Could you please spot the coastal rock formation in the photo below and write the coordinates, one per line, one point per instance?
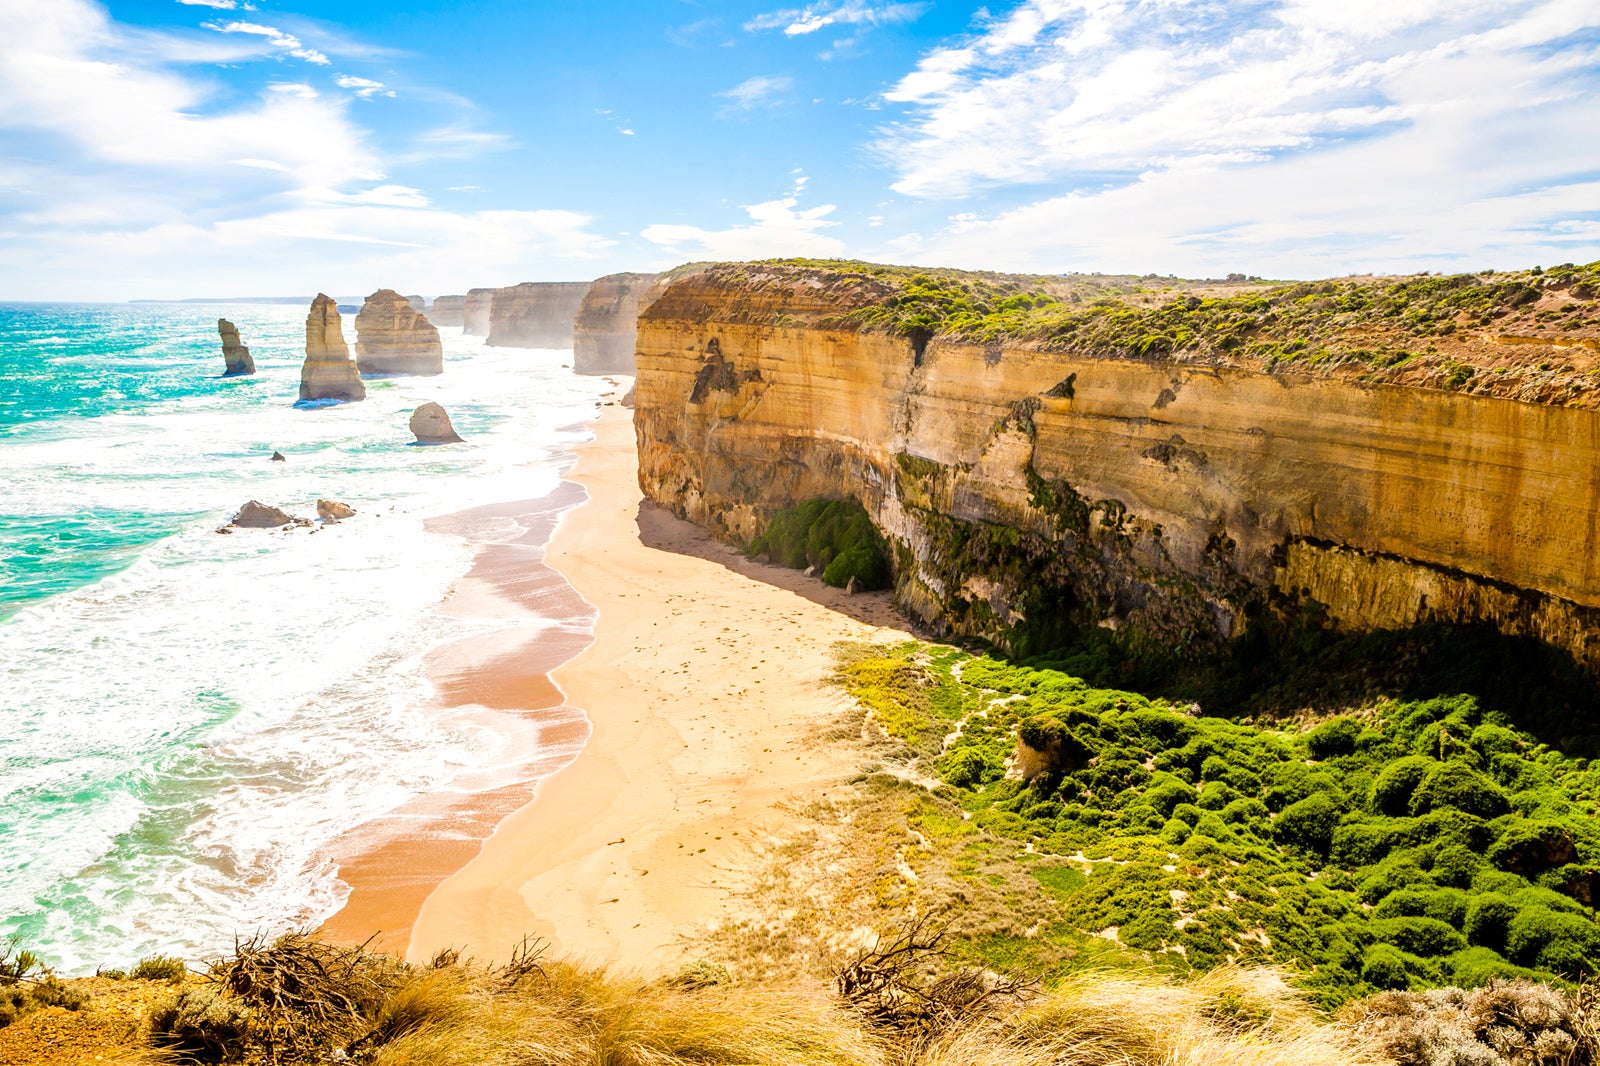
(608, 324)
(431, 425)
(1171, 486)
(328, 372)
(535, 314)
(419, 304)
(333, 510)
(257, 515)
(475, 309)
(235, 355)
(393, 337)
(447, 311)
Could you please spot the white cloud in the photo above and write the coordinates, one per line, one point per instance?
(365, 88)
(220, 5)
(776, 229)
(285, 42)
(759, 91)
(1290, 137)
(797, 22)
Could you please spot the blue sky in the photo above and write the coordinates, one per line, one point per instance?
(224, 147)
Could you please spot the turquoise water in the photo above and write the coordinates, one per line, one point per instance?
(187, 719)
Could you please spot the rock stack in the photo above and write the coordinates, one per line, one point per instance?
(328, 372)
(475, 311)
(447, 311)
(431, 425)
(235, 355)
(393, 337)
(419, 304)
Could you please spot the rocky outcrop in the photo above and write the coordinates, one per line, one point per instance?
(608, 324)
(419, 304)
(431, 425)
(1063, 478)
(447, 311)
(235, 356)
(393, 337)
(475, 311)
(535, 314)
(328, 372)
(257, 515)
(334, 511)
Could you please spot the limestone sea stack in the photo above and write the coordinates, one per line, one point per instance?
(447, 311)
(430, 424)
(419, 304)
(475, 309)
(328, 372)
(535, 314)
(393, 337)
(235, 355)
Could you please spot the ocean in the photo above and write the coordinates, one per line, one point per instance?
(187, 719)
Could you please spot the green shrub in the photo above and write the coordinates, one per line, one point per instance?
(1383, 966)
(1538, 936)
(1457, 785)
(160, 968)
(1488, 918)
(1337, 736)
(1527, 847)
(1477, 966)
(1308, 823)
(1391, 792)
(1418, 936)
(835, 535)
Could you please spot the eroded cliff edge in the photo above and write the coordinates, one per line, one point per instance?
(1173, 462)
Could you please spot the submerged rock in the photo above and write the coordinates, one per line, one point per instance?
(257, 515)
(328, 372)
(277, 457)
(431, 425)
(394, 337)
(333, 510)
(234, 354)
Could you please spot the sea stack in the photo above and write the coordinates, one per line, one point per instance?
(475, 311)
(535, 314)
(393, 337)
(447, 311)
(431, 425)
(328, 372)
(235, 355)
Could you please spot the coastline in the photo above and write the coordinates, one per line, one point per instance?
(705, 691)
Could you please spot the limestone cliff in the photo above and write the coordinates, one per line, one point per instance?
(447, 311)
(607, 324)
(475, 312)
(1163, 460)
(328, 372)
(535, 314)
(393, 337)
(235, 356)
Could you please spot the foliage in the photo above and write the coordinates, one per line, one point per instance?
(27, 985)
(1417, 843)
(159, 968)
(835, 536)
(1505, 1022)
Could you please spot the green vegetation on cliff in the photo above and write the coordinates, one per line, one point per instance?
(1417, 843)
(835, 536)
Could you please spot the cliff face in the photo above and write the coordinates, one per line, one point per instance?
(475, 312)
(447, 311)
(1026, 485)
(607, 324)
(328, 372)
(393, 337)
(535, 314)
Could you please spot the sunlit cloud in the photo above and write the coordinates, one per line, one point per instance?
(775, 229)
(763, 90)
(365, 88)
(287, 43)
(798, 22)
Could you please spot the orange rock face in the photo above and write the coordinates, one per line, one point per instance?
(393, 337)
(328, 372)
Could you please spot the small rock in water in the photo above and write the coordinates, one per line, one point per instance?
(431, 425)
(277, 457)
(333, 510)
(257, 515)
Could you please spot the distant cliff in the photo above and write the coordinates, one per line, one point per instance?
(475, 312)
(447, 311)
(535, 314)
(607, 325)
(1170, 461)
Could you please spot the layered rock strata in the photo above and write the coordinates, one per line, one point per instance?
(235, 356)
(608, 323)
(535, 314)
(1034, 484)
(393, 337)
(447, 311)
(430, 424)
(419, 304)
(475, 310)
(328, 372)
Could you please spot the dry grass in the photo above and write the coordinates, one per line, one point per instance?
(1505, 1023)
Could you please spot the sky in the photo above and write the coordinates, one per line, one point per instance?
(182, 148)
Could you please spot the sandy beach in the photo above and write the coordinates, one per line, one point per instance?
(704, 693)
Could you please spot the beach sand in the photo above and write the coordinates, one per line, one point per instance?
(706, 693)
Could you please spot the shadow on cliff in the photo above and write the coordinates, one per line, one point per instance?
(1284, 667)
(665, 531)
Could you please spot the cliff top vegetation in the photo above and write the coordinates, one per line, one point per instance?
(1528, 334)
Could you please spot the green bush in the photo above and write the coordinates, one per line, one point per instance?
(1383, 966)
(1391, 792)
(1459, 786)
(160, 968)
(1337, 736)
(1418, 936)
(1308, 823)
(836, 536)
(1538, 936)
(1477, 966)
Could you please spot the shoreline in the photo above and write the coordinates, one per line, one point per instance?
(706, 694)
